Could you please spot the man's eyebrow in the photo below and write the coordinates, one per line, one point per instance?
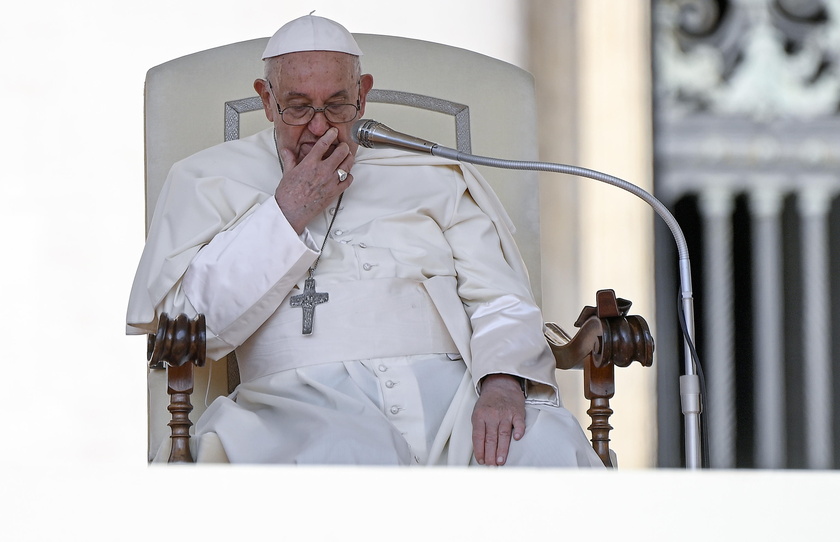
(295, 94)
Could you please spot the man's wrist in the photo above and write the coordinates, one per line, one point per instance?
(504, 377)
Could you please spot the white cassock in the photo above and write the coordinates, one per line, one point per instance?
(427, 295)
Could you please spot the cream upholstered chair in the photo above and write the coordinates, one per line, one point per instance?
(455, 97)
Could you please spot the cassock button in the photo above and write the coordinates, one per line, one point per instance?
(367, 267)
(390, 384)
(362, 245)
(339, 232)
(395, 410)
(383, 368)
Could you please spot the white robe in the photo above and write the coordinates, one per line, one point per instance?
(421, 270)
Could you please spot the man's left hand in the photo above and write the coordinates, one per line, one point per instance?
(499, 414)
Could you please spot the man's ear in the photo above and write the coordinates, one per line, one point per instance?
(261, 86)
(366, 85)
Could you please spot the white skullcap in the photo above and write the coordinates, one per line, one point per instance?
(311, 33)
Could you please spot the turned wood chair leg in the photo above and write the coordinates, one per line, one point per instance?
(600, 413)
(599, 388)
(180, 387)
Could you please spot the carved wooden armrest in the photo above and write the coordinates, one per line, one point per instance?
(607, 338)
(179, 345)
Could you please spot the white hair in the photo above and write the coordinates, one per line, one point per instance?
(271, 66)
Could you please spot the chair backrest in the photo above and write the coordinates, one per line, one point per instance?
(449, 95)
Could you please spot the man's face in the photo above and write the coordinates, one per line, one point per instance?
(317, 79)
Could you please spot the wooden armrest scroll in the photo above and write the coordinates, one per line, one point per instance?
(607, 338)
(179, 344)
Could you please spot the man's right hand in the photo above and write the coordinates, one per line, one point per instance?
(307, 188)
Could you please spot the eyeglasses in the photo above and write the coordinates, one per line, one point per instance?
(298, 115)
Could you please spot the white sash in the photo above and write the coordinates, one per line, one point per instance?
(345, 328)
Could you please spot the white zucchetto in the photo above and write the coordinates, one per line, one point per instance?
(311, 33)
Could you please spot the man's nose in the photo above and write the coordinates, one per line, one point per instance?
(319, 124)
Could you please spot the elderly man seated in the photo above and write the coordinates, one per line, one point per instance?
(379, 308)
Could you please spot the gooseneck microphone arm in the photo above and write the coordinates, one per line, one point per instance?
(372, 134)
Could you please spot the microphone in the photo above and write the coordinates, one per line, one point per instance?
(374, 135)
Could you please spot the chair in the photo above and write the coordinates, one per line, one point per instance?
(205, 98)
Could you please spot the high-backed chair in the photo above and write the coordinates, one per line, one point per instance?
(455, 97)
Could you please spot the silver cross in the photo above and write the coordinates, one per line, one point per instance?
(307, 301)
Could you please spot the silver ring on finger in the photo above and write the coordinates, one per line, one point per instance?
(342, 175)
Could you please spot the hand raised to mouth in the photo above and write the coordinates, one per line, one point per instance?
(309, 186)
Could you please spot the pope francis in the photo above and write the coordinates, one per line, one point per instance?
(378, 306)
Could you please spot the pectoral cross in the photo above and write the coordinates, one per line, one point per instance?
(307, 301)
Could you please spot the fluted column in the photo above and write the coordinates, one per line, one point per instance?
(765, 207)
(814, 203)
(716, 208)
